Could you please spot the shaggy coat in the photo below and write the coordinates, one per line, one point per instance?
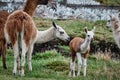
(3, 18)
(75, 45)
(17, 22)
(31, 5)
(114, 23)
(21, 32)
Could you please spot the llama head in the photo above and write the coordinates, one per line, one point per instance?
(89, 34)
(60, 33)
(114, 22)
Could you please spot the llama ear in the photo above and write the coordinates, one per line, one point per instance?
(86, 30)
(93, 30)
(54, 25)
(112, 17)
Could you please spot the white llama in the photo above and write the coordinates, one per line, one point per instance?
(53, 32)
(80, 47)
(114, 23)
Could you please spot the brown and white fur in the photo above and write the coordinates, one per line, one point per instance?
(80, 48)
(114, 23)
(21, 32)
(52, 33)
(3, 44)
(31, 5)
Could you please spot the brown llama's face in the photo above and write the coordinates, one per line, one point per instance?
(60, 33)
(114, 22)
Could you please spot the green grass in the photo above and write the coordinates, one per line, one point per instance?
(76, 28)
(52, 66)
(109, 2)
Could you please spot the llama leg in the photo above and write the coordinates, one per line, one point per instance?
(29, 57)
(72, 69)
(18, 64)
(72, 66)
(79, 63)
(24, 50)
(3, 52)
(84, 66)
(16, 54)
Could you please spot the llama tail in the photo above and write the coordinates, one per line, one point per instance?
(21, 34)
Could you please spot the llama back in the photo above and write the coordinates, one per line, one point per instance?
(21, 24)
(75, 43)
(3, 18)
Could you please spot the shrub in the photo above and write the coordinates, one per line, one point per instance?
(46, 55)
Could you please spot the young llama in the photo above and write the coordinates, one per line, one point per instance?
(114, 23)
(53, 32)
(21, 32)
(80, 47)
(3, 44)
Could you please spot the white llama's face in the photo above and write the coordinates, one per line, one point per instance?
(60, 33)
(114, 22)
(89, 34)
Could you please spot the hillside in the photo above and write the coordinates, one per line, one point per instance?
(110, 2)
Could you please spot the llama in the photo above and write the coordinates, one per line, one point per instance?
(53, 32)
(80, 47)
(3, 44)
(114, 23)
(29, 8)
(21, 32)
(31, 5)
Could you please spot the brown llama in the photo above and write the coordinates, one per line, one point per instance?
(21, 32)
(3, 45)
(29, 8)
(31, 5)
(80, 48)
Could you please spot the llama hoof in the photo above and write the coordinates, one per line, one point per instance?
(74, 75)
(69, 75)
(19, 72)
(30, 69)
(84, 75)
(22, 75)
(14, 74)
(5, 67)
(78, 74)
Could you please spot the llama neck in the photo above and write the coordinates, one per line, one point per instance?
(45, 36)
(85, 45)
(30, 7)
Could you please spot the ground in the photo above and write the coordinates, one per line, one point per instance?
(53, 65)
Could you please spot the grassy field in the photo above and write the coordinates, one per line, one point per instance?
(52, 66)
(76, 27)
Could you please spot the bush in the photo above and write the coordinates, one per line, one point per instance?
(46, 55)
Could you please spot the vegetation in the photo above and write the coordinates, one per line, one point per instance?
(57, 68)
(76, 28)
(51, 65)
(110, 2)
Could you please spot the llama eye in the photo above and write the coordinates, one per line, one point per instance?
(108, 20)
(88, 35)
(61, 32)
